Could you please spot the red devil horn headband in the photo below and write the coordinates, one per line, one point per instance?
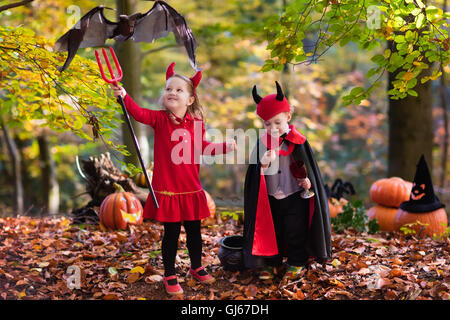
(195, 79)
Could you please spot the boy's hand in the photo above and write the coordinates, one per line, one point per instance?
(118, 91)
(268, 157)
(230, 145)
(304, 183)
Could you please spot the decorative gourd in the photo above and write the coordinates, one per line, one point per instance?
(436, 220)
(384, 215)
(120, 209)
(139, 178)
(336, 206)
(390, 192)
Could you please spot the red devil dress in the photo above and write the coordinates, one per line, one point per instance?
(176, 164)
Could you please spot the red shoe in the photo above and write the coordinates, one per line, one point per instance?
(204, 278)
(172, 288)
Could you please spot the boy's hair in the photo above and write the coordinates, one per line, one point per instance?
(195, 109)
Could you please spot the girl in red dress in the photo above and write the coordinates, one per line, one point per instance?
(179, 142)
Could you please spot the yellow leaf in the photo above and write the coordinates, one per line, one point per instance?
(336, 263)
(137, 269)
(21, 294)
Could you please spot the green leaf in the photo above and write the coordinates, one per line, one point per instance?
(356, 91)
(112, 271)
(420, 20)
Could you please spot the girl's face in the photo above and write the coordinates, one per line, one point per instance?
(278, 125)
(177, 96)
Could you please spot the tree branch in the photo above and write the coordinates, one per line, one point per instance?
(159, 49)
(13, 5)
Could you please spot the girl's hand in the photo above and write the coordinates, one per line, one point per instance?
(118, 91)
(230, 145)
(268, 157)
(305, 183)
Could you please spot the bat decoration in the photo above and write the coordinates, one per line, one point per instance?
(93, 29)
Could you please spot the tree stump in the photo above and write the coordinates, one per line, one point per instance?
(99, 174)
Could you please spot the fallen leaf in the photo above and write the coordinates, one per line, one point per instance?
(153, 278)
(132, 277)
(299, 295)
(137, 270)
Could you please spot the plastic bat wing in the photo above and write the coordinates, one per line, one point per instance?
(91, 30)
(94, 29)
(159, 21)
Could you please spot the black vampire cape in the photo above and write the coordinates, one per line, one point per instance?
(259, 239)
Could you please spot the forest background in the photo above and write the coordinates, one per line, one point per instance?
(50, 119)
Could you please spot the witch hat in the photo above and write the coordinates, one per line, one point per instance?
(422, 198)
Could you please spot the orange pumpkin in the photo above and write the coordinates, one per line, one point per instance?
(211, 220)
(139, 178)
(210, 202)
(384, 215)
(120, 209)
(390, 192)
(336, 206)
(436, 220)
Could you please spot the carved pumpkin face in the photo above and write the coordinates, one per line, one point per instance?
(418, 191)
(131, 217)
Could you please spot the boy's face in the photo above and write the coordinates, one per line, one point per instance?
(278, 125)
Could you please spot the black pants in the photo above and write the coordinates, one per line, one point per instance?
(170, 244)
(290, 219)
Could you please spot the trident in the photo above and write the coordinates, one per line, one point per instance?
(114, 80)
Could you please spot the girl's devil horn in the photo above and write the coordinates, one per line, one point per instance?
(170, 70)
(256, 97)
(280, 95)
(196, 78)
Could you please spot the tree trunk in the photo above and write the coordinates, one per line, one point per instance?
(15, 163)
(50, 186)
(129, 55)
(443, 96)
(410, 129)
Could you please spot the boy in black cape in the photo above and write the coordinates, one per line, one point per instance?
(278, 222)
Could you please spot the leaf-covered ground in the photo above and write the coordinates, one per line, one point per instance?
(35, 255)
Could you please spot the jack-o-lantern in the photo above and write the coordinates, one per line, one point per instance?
(423, 205)
(120, 209)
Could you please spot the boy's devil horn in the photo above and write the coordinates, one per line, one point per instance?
(256, 97)
(280, 95)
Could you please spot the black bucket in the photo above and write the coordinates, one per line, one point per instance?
(230, 253)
